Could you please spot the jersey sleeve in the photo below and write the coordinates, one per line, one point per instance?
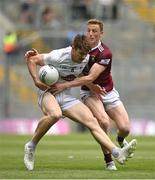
(105, 58)
(52, 57)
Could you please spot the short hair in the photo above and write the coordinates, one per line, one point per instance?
(96, 21)
(81, 42)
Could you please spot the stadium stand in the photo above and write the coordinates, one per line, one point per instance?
(131, 38)
(144, 8)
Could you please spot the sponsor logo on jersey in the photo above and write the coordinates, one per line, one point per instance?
(104, 61)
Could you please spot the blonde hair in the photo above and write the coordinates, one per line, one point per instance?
(96, 21)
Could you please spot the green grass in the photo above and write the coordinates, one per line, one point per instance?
(75, 156)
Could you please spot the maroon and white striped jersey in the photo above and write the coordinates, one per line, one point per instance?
(102, 55)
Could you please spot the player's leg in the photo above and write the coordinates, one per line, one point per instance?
(116, 111)
(120, 116)
(82, 114)
(51, 117)
(97, 108)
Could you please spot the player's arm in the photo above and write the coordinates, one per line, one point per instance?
(87, 80)
(95, 88)
(32, 63)
(94, 72)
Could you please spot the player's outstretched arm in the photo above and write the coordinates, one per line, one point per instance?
(33, 59)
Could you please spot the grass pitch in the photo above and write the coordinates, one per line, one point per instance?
(75, 156)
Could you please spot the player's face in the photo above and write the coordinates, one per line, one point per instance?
(78, 55)
(94, 34)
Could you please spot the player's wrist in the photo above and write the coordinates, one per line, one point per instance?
(67, 85)
(36, 79)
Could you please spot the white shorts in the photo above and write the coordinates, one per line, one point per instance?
(64, 99)
(110, 100)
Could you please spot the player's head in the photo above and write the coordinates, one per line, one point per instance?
(80, 48)
(94, 31)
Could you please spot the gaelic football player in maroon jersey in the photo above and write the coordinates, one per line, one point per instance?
(108, 105)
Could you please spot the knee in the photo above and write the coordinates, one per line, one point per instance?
(54, 117)
(125, 129)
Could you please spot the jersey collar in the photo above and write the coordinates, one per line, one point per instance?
(99, 44)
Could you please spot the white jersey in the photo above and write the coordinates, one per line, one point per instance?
(68, 70)
(62, 61)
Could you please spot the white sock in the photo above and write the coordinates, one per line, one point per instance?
(31, 144)
(115, 152)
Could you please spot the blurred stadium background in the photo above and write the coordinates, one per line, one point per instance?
(129, 29)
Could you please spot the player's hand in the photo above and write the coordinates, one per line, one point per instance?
(41, 85)
(31, 53)
(96, 89)
(57, 88)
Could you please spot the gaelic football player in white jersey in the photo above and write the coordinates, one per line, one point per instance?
(98, 71)
(69, 62)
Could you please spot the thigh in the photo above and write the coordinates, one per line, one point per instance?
(119, 115)
(96, 107)
(111, 99)
(81, 114)
(66, 100)
(49, 104)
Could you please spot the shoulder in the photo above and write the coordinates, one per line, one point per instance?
(64, 52)
(101, 49)
(61, 51)
(101, 55)
(58, 54)
(104, 47)
(105, 51)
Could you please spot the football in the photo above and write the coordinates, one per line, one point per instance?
(48, 74)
